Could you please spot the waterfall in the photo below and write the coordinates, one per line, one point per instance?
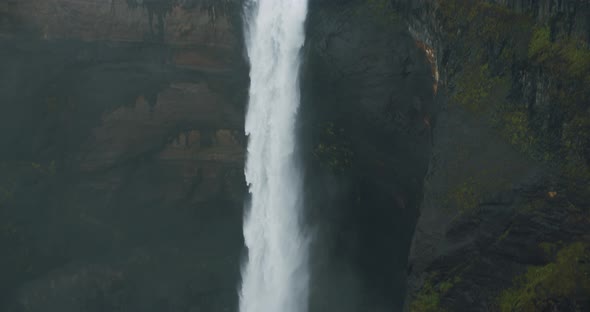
(275, 275)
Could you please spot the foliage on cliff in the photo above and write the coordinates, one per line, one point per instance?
(529, 80)
(502, 49)
(555, 285)
(429, 297)
(564, 56)
(333, 149)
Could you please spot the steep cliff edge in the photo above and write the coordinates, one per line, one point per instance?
(504, 219)
(366, 106)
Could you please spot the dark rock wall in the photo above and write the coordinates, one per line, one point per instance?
(505, 178)
(367, 106)
(121, 157)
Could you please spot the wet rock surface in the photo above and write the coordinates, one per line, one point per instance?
(498, 189)
(367, 104)
(122, 157)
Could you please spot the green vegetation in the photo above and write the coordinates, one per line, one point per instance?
(49, 169)
(540, 46)
(6, 193)
(473, 87)
(548, 248)
(576, 167)
(577, 56)
(333, 149)
(482, 22)
(504, 234)
(576, 137)
(567, 278)
(531, 81)
(491, 37)
(492, 40)
(465, 196)
(429, 297)
(567, 56)
(516, 129)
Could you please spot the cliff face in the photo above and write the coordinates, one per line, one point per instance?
(367, 106)
(121, 156)
(504, 219)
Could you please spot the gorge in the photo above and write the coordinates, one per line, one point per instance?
(443, 148)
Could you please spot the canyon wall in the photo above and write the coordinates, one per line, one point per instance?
(123, 150)
(455, 131)
(122, 153)
(504, 218)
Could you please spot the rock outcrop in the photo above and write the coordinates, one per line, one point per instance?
(367, 106)
(509, 172)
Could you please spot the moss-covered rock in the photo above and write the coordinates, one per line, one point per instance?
(428, 299)
(544, 288)
(515, 76)
(333, 148)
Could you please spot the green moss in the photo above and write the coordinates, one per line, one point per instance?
(577, 57)
(488, 36)
(482, 23)
(48, 169)
(496, 45)
(567, 56)
(548, 248)
(567, 277)
(576, 168)
(333, 149)
(473, 87)
(429, 296)
(6, 193)
(576, 137)
(515, 128)
(540, 46)
(504, 234)
(427, 300)
(465, 197)
(534, 205)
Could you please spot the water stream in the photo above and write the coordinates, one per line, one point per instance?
(275, 276)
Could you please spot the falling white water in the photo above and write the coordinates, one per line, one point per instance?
(275, 276)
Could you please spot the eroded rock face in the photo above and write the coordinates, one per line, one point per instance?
(176, 22)
(122, 156)
(367, 102)
(494, 195)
